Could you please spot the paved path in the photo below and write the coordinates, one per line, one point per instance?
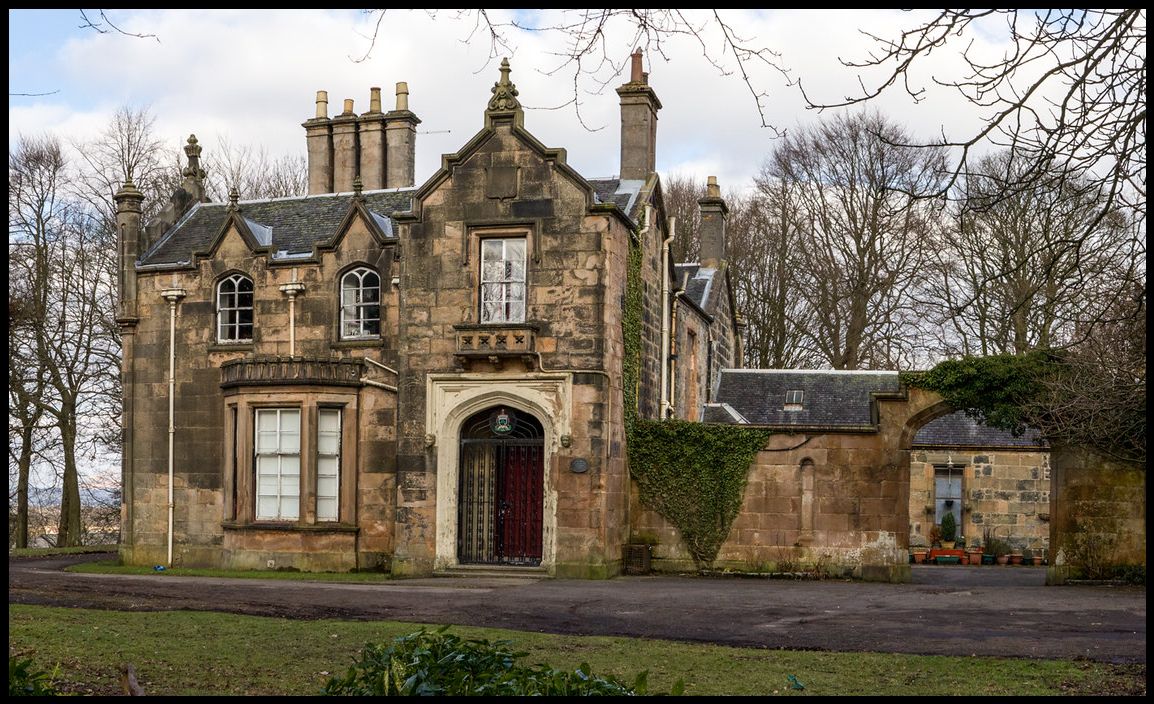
(996, 611)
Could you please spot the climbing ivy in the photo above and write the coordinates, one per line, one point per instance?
(999, 390)
(693, 475)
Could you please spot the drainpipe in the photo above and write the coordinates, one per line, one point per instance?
(173, 296)
(292, 290)
(665, 406)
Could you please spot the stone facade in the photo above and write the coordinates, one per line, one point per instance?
(293, 443)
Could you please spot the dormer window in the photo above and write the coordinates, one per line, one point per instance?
(793, 400)
(360, 304)
(234, 309)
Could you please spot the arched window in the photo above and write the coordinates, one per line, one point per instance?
(360, 304)
(234, 309)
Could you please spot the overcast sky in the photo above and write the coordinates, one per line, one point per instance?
(251, 77)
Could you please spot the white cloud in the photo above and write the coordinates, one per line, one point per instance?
(252, 76)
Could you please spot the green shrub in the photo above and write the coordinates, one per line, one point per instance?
(442, 664)
(949, 528)
(26, 680)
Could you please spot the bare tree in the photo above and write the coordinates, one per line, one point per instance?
(26, 386)
(680, 193)
(254, 173)
(1029, 267)
(1069, 94)
(765, 235)
(866, 227)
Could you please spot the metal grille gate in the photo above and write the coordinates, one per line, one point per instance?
(500, 485)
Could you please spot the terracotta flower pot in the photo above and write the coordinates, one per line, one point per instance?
(1015, 558)
(975, 558)
(919, 556)
(1036, 560)
(1003, 559)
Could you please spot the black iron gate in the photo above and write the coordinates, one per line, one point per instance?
(500, 489)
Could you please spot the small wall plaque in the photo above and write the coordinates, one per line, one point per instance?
(579, 465)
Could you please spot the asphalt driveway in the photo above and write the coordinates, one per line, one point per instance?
(948, 610)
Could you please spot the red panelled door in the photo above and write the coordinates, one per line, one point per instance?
(501, 489)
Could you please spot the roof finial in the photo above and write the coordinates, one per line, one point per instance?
(358, 186)
(192, 150)
(504, 92)
(233, 197)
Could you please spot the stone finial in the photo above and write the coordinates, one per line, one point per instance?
(348, 107)
(322, 104)
(358, 187)
(129, 196)
(233, 197)
(635, 73)
(374, 99)
(504, 92)
(712, 190)
(192, 150)
(402, 95)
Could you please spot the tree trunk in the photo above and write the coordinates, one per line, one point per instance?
(25, 465)
(69, 532)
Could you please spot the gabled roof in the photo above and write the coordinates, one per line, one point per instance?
(830, 399)
(959, 430)
(288, 226)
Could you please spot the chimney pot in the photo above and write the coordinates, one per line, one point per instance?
(402, 95)
(348, 107)
(322, 103)
(635, 73)
(711, 187)
(374, 99)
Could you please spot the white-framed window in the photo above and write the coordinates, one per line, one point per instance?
(794, 399)
(503, 280)
(234, 309)
(328, 464)
(360, 304)
(278, 464)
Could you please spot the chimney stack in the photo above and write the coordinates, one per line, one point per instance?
(345, 161)
(639, 106)
(401, 140)
(714, 212)
(371, 129)
(319, 136)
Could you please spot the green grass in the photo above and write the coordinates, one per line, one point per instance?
(112, 567)
(48, 552)
(198, 653)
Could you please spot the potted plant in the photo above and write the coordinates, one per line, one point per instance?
(949, 531)
(1029, 557)
(918, 550)
(975, 552)
(935, 537)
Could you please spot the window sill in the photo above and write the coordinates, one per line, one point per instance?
(356, 344)
(231, 347)
(326, 527)
(468, 327)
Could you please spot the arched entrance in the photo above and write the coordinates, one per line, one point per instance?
(500, 487)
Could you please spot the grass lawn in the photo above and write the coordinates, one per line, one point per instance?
(198, 653)
(112, 567)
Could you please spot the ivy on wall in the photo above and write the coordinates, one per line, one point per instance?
(1000, 391)
(693, 475)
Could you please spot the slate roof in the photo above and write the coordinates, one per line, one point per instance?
(831, 399)
(290, 225)
(959, 430)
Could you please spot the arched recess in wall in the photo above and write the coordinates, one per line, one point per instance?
(807, 480)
